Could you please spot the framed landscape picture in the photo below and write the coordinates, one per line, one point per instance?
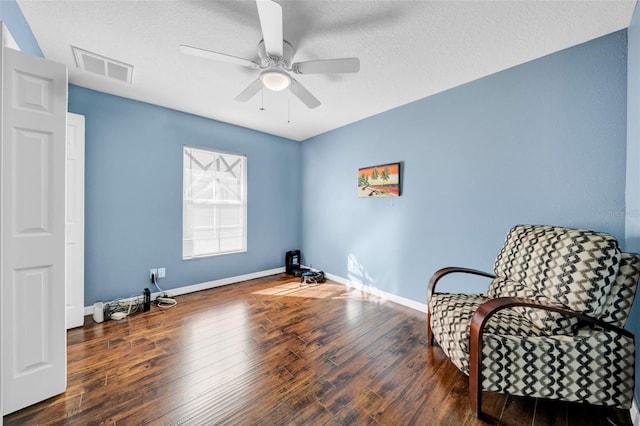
(379, 181)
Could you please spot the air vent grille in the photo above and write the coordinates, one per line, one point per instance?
(102, 65)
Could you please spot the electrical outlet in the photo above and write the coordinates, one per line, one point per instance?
(153, 272)
(161, 273)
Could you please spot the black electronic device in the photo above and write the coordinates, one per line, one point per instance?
(292, 263)
(106, 314)
(147, 300)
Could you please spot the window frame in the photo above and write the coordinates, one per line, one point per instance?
(189, 204)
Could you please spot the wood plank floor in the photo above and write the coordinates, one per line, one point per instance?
(268, 352)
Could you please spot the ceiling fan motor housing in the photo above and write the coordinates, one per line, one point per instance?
(269, 61)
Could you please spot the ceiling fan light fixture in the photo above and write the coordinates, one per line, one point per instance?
(275, 80)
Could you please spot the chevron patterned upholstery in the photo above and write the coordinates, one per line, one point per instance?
(451, 313)
(570, 267)
(534, 352)
(618, 303)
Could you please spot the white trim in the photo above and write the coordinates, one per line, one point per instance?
(7, 38)
(409, 303)
(194, 171)
(635, 413)
(88, 310)
(421, 307)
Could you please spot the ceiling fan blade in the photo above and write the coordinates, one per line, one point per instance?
(303, 94)
(216, 56)
(327, 66)
(270, 14)
(250, 91)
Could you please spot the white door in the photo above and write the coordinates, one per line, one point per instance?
(75, 220)
(32, 234)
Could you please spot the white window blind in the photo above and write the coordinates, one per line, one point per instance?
(214, 215)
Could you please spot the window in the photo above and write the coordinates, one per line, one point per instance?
(214, 218)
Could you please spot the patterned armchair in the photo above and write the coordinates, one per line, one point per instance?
(550, 324)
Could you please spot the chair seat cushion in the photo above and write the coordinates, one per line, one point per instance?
(451, 319)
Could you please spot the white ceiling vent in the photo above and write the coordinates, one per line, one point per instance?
(102, 65)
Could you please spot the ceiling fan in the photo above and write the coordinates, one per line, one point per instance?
(275, 57)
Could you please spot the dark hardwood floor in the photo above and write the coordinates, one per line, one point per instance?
(269, 351)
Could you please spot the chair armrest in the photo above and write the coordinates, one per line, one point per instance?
(486, 311)
(490, 307)
(446, 271)
(432, 286)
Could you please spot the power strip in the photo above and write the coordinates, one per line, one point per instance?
(166, 300)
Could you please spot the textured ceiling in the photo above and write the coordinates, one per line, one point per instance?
(408, 50)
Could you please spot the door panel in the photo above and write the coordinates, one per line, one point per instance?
(32, 229)
(31, 287)
(31, 183)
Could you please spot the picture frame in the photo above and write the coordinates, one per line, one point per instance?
(383, 180)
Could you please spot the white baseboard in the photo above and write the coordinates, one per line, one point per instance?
(409, 303)
(88, 310)
(421, 307)
(635, 413)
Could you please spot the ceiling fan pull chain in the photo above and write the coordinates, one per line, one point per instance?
(262, 100)
(288, 106)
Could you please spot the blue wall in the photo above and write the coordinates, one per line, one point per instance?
(540, 143)
(133, 195)
(12, 16)
(632, 214)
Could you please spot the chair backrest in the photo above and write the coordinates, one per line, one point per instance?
(572, 267)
